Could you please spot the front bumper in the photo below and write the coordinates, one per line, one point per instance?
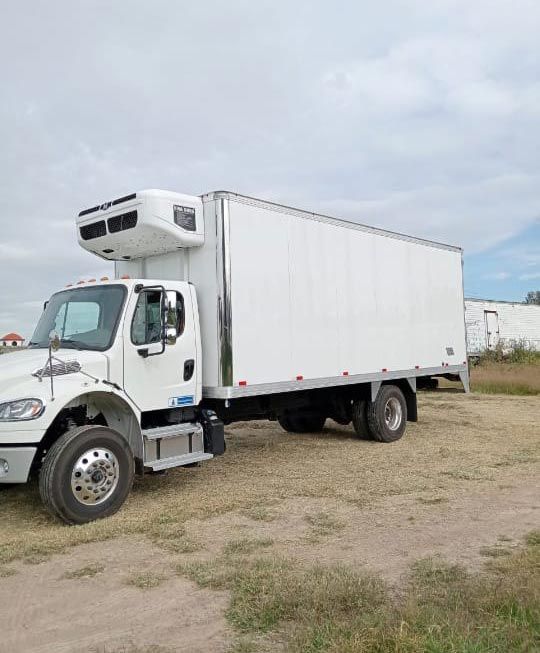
(15, 463)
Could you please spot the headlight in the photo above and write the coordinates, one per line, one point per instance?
(22, 409)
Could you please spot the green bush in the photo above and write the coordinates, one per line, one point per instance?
(515, 351)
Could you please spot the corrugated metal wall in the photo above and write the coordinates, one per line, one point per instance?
(515, 322)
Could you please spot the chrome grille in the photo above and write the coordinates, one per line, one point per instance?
(58, 369)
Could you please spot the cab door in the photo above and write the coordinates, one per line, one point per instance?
(159, 358)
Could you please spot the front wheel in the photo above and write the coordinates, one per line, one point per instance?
(87, 474)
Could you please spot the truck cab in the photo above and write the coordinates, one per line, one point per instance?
(111, 382)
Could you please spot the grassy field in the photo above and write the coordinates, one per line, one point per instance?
(506, 378)
(276, 604)
(516, 372)
(322, 542)
(454, 444)
(11, 350)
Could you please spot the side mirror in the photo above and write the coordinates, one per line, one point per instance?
(170, 318)
(54, 341)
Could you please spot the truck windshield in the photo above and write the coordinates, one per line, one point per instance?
(84, 318)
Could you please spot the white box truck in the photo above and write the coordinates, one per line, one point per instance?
(223, 308)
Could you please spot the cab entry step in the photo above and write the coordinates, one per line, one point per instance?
(172, 431)
(174, 445)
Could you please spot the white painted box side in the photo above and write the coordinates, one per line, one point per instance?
(315, 299)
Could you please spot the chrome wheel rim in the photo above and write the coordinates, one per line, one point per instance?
(95, 476)
(393, 414)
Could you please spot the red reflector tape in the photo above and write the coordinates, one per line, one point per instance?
(384, 369)
(299, 378)
(345, 374)
(242, 383)
(417, 367)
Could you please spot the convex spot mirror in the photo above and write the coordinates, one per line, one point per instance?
(170, 318)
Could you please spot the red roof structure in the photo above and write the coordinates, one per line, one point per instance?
(12, 337)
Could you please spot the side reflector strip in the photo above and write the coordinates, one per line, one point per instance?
(242, 383)
(299, 378)
(345, 374)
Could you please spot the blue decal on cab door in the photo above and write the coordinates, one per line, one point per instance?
(187, 400)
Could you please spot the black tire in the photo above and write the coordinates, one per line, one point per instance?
(387, 415)
(302, 422)
(359, 419)
(58, 470)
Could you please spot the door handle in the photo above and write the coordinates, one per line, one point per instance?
(189, 368)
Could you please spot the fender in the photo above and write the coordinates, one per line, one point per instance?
(118, 411)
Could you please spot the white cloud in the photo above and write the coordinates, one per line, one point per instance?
(497, 276)
(10, 252)
(419, 117)
(530, 276)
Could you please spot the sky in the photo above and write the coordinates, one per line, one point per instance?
(419, 117)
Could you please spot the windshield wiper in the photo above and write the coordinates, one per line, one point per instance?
(75, 344)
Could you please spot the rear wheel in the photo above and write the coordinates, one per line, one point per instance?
(87, 474)
(387, 415)
(359, 419)
(302, 422)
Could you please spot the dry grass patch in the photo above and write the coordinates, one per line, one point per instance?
(334, 609)
(5, 572)
(432, 501)
(322, 524)
(506, 378)
(533, 538)
(495, 551)
(133, 648)
(260, 513)
(88, 571)
(146, 580)
(247, 545)
(265, 467)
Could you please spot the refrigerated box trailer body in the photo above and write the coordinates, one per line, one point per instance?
(224, 308)
(291, 300)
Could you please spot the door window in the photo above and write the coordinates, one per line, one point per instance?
(147, 325)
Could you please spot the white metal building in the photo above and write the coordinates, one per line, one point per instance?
(492, 322)
(11, 340)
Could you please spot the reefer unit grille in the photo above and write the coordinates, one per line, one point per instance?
(122, 222)
(93, 230)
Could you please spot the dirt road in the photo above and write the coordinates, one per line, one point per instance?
(463, 484)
